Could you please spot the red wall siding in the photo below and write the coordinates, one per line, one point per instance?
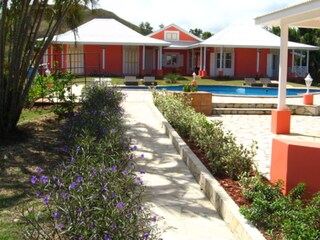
(92, 59)
(245, 62)
(56, 56)
(182, 70)
(114, 59)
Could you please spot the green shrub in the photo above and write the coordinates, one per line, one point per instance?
(39, 89)
(286, 216)
(225, 156)
(190, 88)
(172, 77)
(97, 193)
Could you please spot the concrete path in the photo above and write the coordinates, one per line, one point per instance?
(184, 212)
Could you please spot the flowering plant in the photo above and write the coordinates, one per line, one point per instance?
(97, 193)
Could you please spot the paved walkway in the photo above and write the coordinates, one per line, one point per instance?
(172, 193)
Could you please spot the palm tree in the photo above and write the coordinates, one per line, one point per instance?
(22, 48)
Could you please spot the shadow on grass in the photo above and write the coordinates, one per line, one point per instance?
(33, 145)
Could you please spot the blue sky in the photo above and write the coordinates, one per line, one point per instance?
(208, 15)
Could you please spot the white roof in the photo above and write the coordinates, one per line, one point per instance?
(249, 36)
(108, 32)
(304, 15)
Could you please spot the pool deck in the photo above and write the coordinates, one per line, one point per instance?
(247, 128)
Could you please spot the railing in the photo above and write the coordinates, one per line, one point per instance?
(300, 71)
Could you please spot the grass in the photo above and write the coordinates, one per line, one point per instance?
(33, 146)
(35, 113)
(183, 80)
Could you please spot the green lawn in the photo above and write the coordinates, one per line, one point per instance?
(183, 80)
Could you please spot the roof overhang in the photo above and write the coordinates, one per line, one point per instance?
(304, 15)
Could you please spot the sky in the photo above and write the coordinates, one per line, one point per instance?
(208, 15)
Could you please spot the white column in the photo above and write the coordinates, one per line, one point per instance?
(283, 67)
(221, 57)
(103, 58)
(143, 57)
(192, 60)
(204, 58)
(62, 58)
(201, 59)
(258, 60)
(160, 58)
(308, 61)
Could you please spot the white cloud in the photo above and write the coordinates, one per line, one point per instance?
(208, 15)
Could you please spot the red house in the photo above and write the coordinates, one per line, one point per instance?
(105, 46)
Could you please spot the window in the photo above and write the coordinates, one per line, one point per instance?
(171, 60)
(171, 35)
(228, 60)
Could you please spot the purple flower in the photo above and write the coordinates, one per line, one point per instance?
(59, 226)
(104, 130)
(131, 156)
(104, 188)
(154, 219)
(78, 149)
(120, 205)
(113, 131)
(142, 171)
(66, 149)
(145, 236)
(94, 171)
(93, 225)
(102, 113)
(56, 214)
(139, 180)
(114, 169)
(38, 195)
(46, 200)
(79, 179)
(135, 148)
(124, 172)
(73, 185)
(142, 155)
(107, 237)
(64, 195)
(113, 195)
(33, 179)
(72, 159)
(39, 170)
(44, 179)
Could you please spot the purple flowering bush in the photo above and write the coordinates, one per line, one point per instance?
(97, 194)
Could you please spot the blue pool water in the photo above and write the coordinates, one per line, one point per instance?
(234, 90)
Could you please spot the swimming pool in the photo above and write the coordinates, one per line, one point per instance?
(234, 90)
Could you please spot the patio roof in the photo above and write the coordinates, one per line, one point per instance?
(304, 15)
(106, 32)
(249, 36)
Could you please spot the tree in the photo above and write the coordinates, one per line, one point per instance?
(145, 28)
(161, 25)
(197, 32)
(22, 48)
(206, 35)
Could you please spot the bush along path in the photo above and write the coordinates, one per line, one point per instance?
(279, 217)
(97, 193)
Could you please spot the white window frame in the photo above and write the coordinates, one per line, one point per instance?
(171, 35)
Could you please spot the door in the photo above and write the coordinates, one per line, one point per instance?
(213, 68)
(272, 65)
(75, 59)
(131, 60)
(149, 60)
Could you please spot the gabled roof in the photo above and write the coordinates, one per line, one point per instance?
(304, 15)
(107, 32)
(177, 27)
(249, 36)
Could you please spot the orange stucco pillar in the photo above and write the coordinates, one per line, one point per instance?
(308, 99)
(204, 73)
(280, 123)
(295, 162)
